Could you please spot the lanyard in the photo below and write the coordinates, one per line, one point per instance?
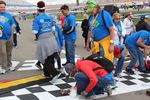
(94, 20)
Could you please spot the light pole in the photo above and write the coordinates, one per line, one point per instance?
(77, 2)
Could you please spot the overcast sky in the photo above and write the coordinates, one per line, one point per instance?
(53, 1)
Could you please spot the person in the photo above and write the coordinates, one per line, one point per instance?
(16, 32)
(132, 43)
(6, 42)
(60, 40)
(36, 36)
(43, 26)
(129, 25)
(85, 28)
(101, 30)
(69, 32)
(117, 34)
(91, 78)
(143, 24)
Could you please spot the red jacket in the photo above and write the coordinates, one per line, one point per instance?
(87, 66)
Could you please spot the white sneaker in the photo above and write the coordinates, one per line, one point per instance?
(55, 77)
(2, 71)
(12, 68)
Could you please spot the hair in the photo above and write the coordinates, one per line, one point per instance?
(41, 6)
(85, 16)
(64, 7)
(2, 2)
(115, 15)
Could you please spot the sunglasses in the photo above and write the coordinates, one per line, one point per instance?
(117, 18)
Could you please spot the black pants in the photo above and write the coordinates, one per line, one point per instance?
(15, 39)
(57, 57)
(49, 68)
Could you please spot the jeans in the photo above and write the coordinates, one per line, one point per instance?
(70, 51)
(136, 54)
(120, 60)
(83, 81)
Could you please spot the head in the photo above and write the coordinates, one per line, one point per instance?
(64, 9)
(144, 18)
(90, 5)
(116, 17)
(130, 15)
(70, 69)
(85, 16)
(2, 6)
(41, 7)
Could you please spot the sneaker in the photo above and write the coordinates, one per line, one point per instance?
(144, 71)
(46, 76)
(2, 71)
(108, 90)
(55, 77)
(129, 71)
(65, 64)
(38, 65)
(12, 68)
(148, 92)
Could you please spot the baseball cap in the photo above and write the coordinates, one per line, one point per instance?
(64, 7)
(144, 17)
(91, 4)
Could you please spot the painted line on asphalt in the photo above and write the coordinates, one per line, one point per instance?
(20, 81)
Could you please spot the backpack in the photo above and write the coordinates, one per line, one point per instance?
(104, 62)
(111, 9)
(147, 64)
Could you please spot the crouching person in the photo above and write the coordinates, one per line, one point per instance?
(91, 78)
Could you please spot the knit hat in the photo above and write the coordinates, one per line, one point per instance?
(91, 4)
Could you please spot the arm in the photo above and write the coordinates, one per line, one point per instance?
(140, 43)
(35, 26)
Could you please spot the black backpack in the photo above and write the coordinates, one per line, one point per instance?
(104, 62)
(111, 9)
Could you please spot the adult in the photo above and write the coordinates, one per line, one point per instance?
(132, 43)
(117, 34)
(101, 30)
(91, 78)
(69, 32)
(85, 28)
(6, 42)
(143, 24)
(44, 27)
(129, 25)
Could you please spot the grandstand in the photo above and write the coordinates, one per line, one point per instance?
(17, 2)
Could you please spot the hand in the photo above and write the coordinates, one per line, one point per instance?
(119, 34)
(111, 48)
(147, 47)
(87, 47)
(84, 93)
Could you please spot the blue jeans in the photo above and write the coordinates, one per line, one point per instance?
(70, 51)
(120, 60)
(136, 54)
(82, 82)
